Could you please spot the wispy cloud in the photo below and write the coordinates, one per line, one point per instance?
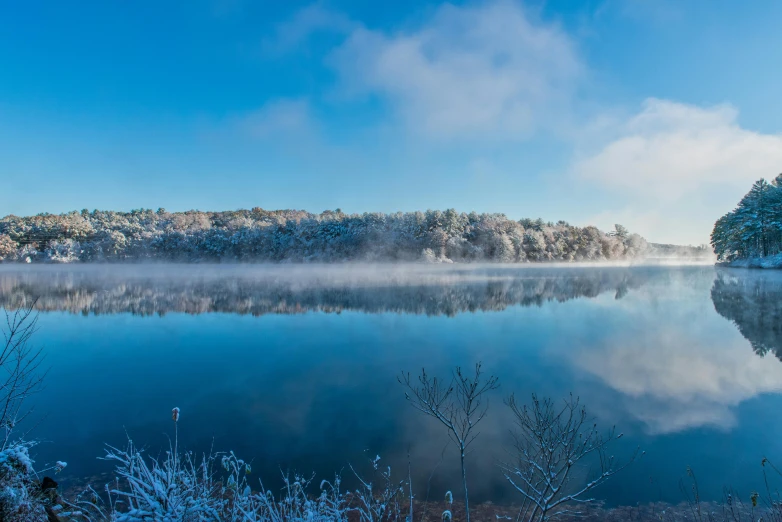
(647, 10)
(484, 72)
(672, 164)
(310, 20)
(478, 79)
(279, 118)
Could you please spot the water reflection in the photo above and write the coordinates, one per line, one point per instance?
(679, 377)
(752, 299)
(676, 381)
(148, 290)
(674, 368)
(643, 347)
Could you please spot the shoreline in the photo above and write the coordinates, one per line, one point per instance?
(768, 262)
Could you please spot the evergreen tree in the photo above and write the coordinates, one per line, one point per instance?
(754, 227)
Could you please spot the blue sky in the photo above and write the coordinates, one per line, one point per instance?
(657, 114)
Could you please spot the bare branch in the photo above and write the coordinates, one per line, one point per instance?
(20, 374)
(551, 441)
(459, 405)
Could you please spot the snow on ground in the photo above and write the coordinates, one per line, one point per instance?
(774, 261)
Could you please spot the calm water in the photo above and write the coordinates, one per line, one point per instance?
(296, 367)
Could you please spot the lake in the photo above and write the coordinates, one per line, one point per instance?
(295, 366)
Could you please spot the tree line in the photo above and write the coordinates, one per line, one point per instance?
(290, 235)
(754, 227)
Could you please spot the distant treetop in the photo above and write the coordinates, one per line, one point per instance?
(260, 235)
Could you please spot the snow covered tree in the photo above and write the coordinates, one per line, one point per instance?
(620, 231)
(297, 236)
(754, 227)
(7, 248)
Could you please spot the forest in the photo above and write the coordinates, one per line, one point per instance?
(259, 235)
(753, 230)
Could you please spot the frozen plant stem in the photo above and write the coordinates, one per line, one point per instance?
(175, 417)
(459, 406)
(410, 485)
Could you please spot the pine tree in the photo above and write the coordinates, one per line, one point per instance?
(754, 228)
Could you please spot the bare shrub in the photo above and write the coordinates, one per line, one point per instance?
(19, 370)
(21, 494)
(460, 405)
(551, 442)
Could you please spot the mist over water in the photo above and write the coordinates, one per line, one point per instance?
(259, 290)
(296, 366)
(262, 289)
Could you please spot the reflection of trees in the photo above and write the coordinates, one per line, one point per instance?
(753, 301)
(436, 292)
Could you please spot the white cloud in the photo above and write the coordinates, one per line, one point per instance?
(663, 11)
(678, 167)
(483, 72)
(494, 72)
(279, 118)
(312, 19)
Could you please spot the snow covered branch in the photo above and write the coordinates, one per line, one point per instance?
(551, 443)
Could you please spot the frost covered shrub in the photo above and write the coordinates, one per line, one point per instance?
(216, 487)
(21, 497)
(178, 488)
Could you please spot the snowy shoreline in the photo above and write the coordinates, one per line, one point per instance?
(774, 261)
